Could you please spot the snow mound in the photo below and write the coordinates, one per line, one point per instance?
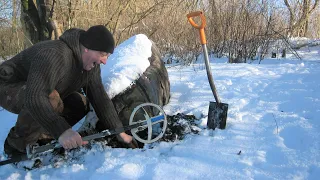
(126, 64)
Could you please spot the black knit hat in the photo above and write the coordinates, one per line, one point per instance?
(98, 38)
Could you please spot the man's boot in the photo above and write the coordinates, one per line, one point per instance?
(28, 131)
(25, 131)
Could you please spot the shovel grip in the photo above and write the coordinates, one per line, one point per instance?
(201, 26)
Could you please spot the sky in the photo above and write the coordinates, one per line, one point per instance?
(273, 127)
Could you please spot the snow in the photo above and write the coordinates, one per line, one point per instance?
(303, 41)
(126, 64)
(273, 127)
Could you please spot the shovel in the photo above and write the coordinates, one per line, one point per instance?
(217, 115)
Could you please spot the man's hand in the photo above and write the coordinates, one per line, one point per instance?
(71, 139)
(128, 140)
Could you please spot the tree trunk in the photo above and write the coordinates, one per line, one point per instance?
(14, 15)
(30, 22)
(306, 28)
(36, 20)
(295, 26)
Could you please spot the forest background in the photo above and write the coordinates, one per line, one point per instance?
(242, 30)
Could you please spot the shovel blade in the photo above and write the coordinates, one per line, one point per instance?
(217, 115)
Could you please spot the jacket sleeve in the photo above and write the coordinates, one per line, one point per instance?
(44, 74)
(101, 102)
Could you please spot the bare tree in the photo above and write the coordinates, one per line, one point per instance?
(299, 23)
(239, 29)
(36, 19)
(10, 33)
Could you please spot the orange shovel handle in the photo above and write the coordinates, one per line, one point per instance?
(201, 26)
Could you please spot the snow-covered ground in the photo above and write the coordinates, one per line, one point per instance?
(273, 128)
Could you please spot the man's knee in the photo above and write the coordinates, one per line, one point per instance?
(12, 96)
(76, 106)
(76, 101)
(56, 102)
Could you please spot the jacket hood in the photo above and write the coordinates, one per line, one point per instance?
(71, 38)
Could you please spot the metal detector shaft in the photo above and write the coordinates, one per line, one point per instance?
(31, 151)
(102, 134)
(13, 160)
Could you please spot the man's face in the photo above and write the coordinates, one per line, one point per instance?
(91, 58)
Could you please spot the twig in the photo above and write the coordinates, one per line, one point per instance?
(294, 52)
(6, 21)
(276, 123)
